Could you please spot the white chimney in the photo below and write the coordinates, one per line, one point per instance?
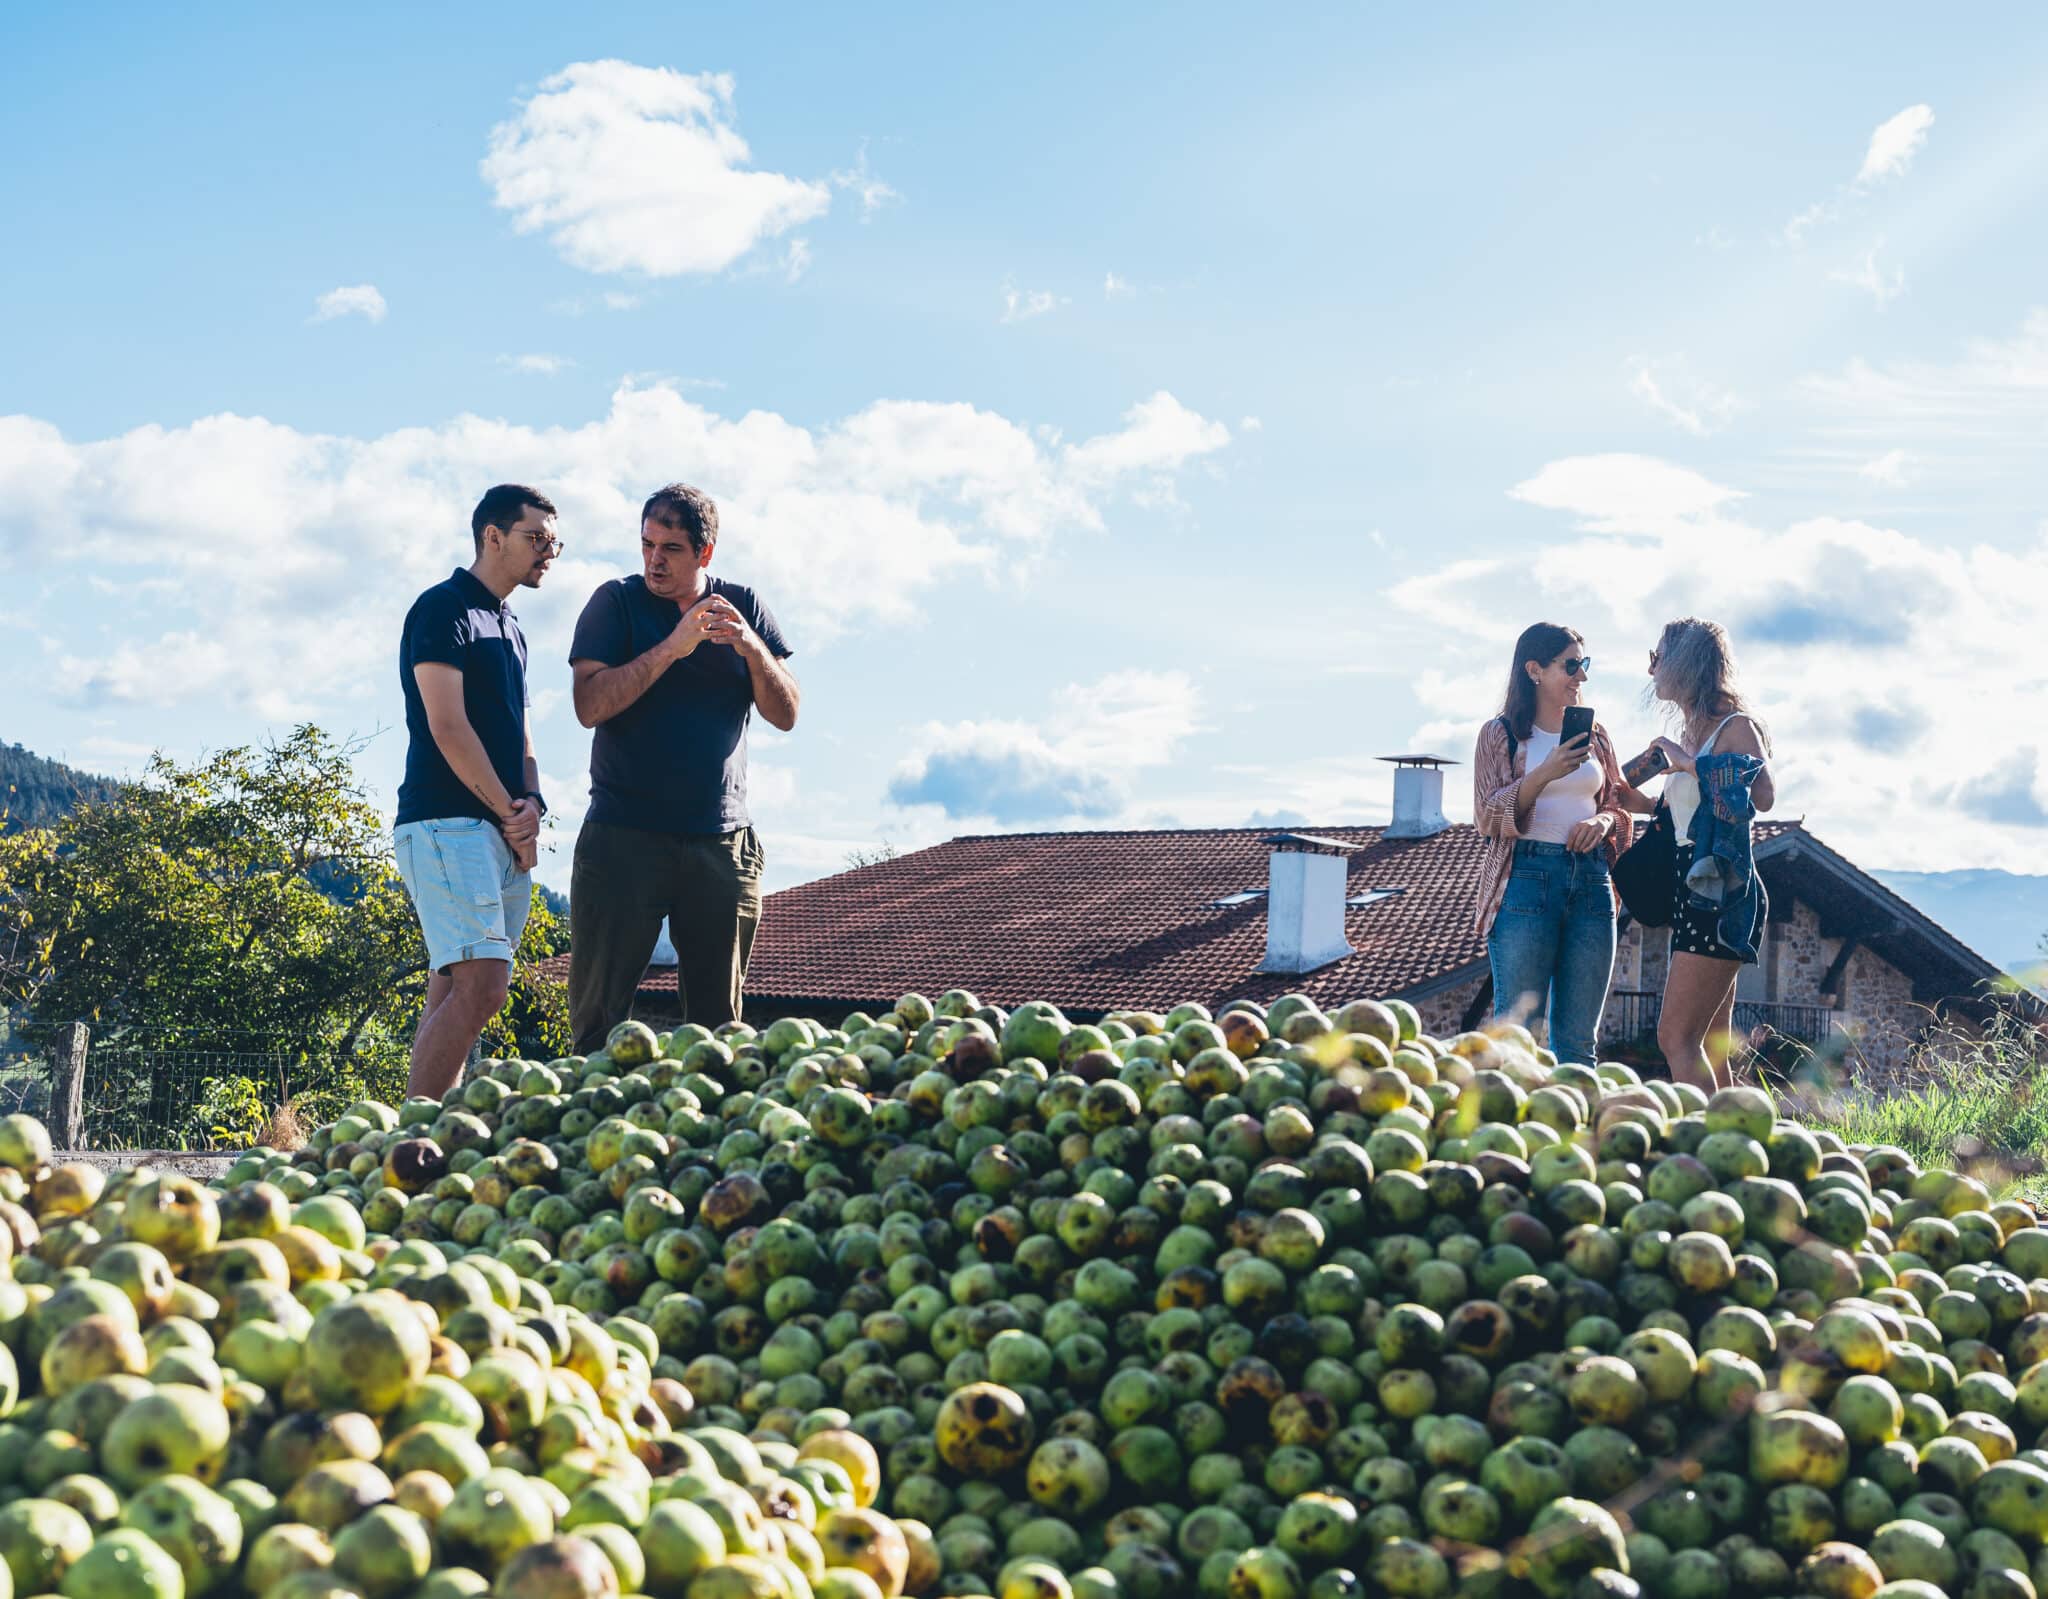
(1418, 795)
(1304, 902)
(664, 947)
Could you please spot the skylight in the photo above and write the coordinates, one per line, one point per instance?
(1372, 896)
(1244, 898)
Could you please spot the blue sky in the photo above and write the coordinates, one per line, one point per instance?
(1140, 418)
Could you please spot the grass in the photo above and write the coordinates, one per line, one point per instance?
(1977, 1104)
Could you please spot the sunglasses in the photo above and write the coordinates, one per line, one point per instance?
(1577, 665)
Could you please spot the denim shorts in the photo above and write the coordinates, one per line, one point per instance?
(470, 895)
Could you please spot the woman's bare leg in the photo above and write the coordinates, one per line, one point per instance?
(1721, 1044)
(1698, 991)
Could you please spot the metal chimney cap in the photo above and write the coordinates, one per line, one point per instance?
(1417, 760)
(1307, 844)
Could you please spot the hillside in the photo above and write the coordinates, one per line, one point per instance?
(35, 791)
(2001, 915)
(44, 790)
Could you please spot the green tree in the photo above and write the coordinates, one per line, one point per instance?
(245, 901)
(534, 1025)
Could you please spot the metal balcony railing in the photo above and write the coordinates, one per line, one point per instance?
(1631, 1017)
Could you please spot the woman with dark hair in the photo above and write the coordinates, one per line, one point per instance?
(1554, 816)
(1720, 780)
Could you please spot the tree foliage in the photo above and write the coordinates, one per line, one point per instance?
(534, 1025)
(244, 901)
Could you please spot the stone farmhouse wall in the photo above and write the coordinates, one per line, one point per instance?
(1444, 1014)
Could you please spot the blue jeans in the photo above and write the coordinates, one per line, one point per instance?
(1552, 946)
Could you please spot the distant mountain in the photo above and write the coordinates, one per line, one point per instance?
(2001, 915)
(35, 791)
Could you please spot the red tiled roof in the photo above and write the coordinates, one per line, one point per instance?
(1107, 921)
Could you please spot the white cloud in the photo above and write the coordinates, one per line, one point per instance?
(1020, 305)
(1965, 431)
(610, 300)
(122, 749)
(1116, 288)
(354, 299)
(1894, 143)
(1250, 424)
(1812, 217)
(1136, 716)
(1016, 773)
(1688, 402)
(1866, 648)
(1159, 435)
(1624, 493)
(796, 259)
(641, 169)
(870, 190)
(1996, 392)
(262, 526)
(1868, 276)
(536, 363)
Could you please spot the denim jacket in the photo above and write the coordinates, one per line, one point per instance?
(1723, 877)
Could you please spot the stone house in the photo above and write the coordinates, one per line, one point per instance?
(1101, 921)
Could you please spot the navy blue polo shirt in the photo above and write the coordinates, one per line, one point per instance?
(675, 760)
(461, 623)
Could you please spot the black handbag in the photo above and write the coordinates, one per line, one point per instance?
(1646, 876)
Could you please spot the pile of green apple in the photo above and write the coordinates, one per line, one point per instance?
(1273, 1304)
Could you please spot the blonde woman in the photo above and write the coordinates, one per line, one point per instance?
(1692, 672)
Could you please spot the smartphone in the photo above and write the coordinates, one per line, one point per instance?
(1578, 719)
(1645, 766)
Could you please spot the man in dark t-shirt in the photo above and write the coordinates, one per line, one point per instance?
(469, 808)
(669, 667)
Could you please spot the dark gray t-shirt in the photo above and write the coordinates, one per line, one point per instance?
(675, 760)
(461, 623)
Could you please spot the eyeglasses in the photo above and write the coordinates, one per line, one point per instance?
(1577, 665)
(544, 544)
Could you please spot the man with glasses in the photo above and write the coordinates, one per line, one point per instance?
(670, 665)
(470, 808)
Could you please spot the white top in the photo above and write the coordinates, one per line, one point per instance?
(1572, 799)
(1682, 789)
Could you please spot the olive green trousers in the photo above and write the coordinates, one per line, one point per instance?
(624, 881)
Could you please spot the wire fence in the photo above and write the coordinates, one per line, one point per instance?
(24, 1088)
(137, 1097)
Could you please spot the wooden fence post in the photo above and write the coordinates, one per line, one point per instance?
(67, 1088)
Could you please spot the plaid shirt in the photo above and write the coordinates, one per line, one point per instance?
(1496, 782)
